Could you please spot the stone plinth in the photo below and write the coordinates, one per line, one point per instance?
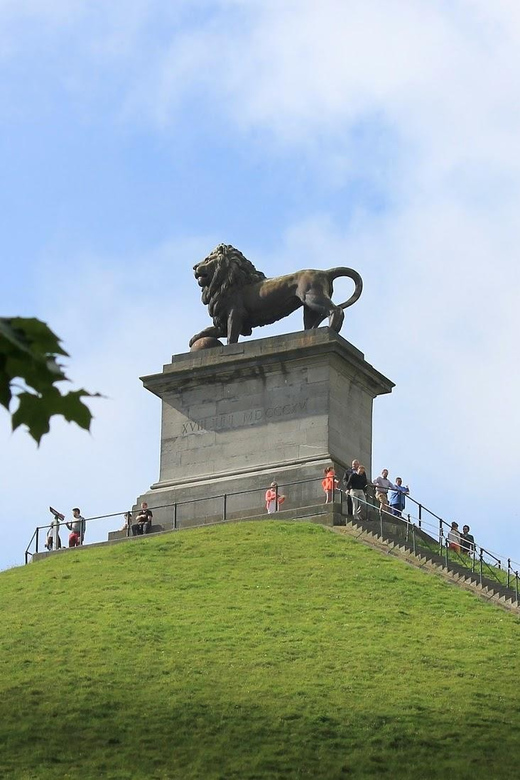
(236, 417)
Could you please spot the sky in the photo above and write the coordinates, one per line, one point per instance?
(384, 136)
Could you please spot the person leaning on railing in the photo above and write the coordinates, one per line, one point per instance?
(76, 528)
(357, 485)
(454, 537)
(382, 485)
(272, 499)
(467, 541)
(329, 483)
(397, 497)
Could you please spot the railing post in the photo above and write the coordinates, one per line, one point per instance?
(516, 586)
(413, 537)
(508, 571)
(481, 560)
(175, 515)
(420, 514)
(441, 537)
(225, 506)
(381, 522)
(37, 537)
(446, 547)
(276, 497)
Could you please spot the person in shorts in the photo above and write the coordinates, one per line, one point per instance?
(382, 485)
(76, 528)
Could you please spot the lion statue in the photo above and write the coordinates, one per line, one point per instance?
(240, 298)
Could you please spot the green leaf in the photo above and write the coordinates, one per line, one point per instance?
(35, 411)
(31, 334)
(28, 351)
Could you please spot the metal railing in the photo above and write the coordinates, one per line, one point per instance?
(430, 537)
(424, 530)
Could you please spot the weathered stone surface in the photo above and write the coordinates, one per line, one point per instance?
(236, 417)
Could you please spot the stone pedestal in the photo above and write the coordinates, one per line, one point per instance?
(237, 417)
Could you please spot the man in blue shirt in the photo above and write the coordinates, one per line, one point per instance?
(397, 497)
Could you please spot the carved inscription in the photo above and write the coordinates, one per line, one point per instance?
(221, 422)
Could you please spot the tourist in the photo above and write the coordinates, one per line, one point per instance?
(382, 485)
(467, 541)
(53, 540)
(273, 499)
(128, 522)
(356, 486)
(396, 497)
(143, 524)
(454, 538)
(354, 467)
(76, 528)
(329, 483)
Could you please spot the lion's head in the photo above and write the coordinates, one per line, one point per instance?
(222, 272)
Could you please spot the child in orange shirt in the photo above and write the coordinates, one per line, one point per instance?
(329, 483)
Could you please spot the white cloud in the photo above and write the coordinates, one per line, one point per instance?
(433, 86)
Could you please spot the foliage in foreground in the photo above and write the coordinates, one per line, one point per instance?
(255, 650)
(28, 352)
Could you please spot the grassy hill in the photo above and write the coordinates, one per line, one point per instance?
(254, 650)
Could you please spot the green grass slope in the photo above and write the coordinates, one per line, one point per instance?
(254, 650)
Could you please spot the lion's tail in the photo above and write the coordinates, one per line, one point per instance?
(333, 273)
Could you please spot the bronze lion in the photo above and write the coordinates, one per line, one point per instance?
(240, 298)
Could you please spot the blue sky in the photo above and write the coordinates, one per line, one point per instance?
(136, 135)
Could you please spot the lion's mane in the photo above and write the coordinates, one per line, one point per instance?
(232, 272)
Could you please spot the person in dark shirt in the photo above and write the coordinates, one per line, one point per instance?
(346, 475)
(467, 541)
(356, 486)
(143, 524)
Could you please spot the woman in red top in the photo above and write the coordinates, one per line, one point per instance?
(272, 499)
(329, 483)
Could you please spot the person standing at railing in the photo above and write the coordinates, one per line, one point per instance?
(356, 485)
(329, 483)
(454, 538)
(128, 522)
(76, 528)
(396, 497)
(467, 541)
(382, 485)
(354, 467)
(273, 499)
(53, 540)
